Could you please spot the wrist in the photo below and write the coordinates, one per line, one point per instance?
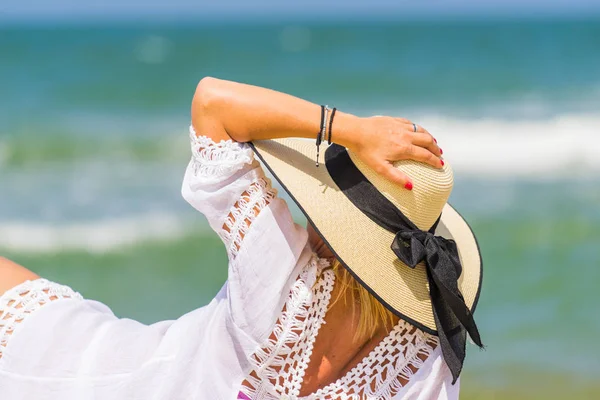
(346, 130)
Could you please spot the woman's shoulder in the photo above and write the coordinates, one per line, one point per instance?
(24, 301)
(13, 274)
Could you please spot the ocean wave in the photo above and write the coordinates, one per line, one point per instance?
(547, 148)
(94, 237)
(32, 150)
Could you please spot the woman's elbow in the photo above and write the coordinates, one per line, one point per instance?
(206, 95)
(207, 108)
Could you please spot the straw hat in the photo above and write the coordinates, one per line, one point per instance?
(360, 244)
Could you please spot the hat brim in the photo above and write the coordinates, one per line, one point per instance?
(362, 246)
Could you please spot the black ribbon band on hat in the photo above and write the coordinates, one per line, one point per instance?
(453, 319)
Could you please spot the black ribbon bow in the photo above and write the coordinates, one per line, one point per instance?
(453, 319)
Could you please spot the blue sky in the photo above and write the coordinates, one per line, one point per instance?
(102, 9)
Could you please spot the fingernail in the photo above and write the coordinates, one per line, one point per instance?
(441, 151)
(408, 186)
(442, 161)
(435, 140)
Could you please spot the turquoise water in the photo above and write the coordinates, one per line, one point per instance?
(93, 145)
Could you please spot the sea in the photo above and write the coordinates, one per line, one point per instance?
(94, 143)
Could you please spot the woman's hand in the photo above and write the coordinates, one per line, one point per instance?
(380, 141)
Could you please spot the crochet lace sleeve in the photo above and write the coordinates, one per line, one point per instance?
(23, 300)
(226, 184)
(213, 162)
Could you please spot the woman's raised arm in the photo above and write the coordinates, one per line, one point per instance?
(225, 110)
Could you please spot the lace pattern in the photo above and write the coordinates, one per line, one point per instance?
(212, 159)
(280, 364)
(223, 159)
(387, 369)
(244, 212)
(22, 300)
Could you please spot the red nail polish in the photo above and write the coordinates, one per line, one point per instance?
(408, 185)
(435, 140)
(442, 161)
(441, 151)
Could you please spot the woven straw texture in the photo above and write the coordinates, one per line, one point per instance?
(362, 245)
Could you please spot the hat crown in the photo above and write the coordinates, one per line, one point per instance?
(425, 202)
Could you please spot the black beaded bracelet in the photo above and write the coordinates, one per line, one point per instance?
(322, 130)
(331, 124)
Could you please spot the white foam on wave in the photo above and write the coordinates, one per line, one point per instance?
(94, 237)
(537, 148)
(549, 149)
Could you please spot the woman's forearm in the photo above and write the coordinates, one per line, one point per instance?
(245, 113)
(225, 110)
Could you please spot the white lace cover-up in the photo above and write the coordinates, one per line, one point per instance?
(253, 341)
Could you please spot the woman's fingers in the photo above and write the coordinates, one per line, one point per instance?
(420, 129)
(421, 137)
(387, 170)
(424, 155)
(426, 141)
(385, 140)
(411, 125)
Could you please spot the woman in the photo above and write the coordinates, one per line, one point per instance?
(365, 303)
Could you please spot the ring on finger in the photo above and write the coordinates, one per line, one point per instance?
(414, 127)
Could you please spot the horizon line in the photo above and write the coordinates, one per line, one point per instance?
(283, 18)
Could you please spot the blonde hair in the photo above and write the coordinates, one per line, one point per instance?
(373, 315)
